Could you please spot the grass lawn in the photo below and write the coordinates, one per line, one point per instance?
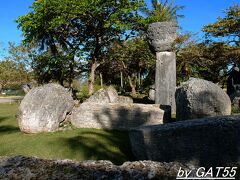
(77, 144)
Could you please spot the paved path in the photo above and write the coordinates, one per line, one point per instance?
(11, 99)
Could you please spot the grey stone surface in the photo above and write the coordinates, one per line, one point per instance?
(44, 108)
(101, 96)
(199, 98)
(27, 87)
(161, 36)
(124, 99)
(20, 167)
(112, 94)
(108, 95)
(205, 142)
(165, 79)
(151, 93)
(115, 115)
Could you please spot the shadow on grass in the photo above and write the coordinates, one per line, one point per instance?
(6, 129)
(107, 145)
(3, 118)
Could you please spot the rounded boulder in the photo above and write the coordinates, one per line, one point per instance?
(44, 108)
(198, 98)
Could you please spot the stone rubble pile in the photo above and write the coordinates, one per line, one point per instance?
(20, 167)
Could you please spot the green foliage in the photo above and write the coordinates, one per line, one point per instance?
(16, 67)
(227, 26)
(51, 68)
(82, 94)
(21, 54)
(204, 60)
(219, 50)
(70, 31)
(77, 28)
(235, 110)
(12, 75)
(77, 144)
(161, 11)
(133, 58)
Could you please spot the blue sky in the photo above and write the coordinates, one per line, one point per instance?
(197, 13)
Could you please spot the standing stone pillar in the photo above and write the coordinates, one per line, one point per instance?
(161, 36)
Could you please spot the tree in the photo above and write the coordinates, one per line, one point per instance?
(132, 57)
(227, 27)
(12, 74)
(78, 27)
(15, 68)
(160, 11)
(131, 60)
(46, 27)
(216, 53)
(21, 54)
(202, 61)
(224, 36)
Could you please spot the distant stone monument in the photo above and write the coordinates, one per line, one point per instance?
(161, 36)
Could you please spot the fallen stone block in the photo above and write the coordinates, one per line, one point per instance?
(115, 115)
(204, 142)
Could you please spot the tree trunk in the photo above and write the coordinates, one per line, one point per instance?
(61, 81)
(94, 66)
(139, 79)
(101, 79)
(92, 78)
(132, 85)
(71, 72)
(121, 75)
(133, 90)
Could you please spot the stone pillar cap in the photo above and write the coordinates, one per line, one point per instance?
(161, 35)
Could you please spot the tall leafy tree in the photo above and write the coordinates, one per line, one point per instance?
(224, 36)
(227, 28)
(161, 10)
(132, 59)
(75, 27)
(216, 53)
(202, 60)
(12, 74)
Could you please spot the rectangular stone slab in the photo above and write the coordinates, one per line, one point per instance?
(202, 142)
(116, 115)
(165, 79)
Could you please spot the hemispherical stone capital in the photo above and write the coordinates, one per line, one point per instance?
(161, 35)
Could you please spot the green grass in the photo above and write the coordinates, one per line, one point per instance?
(76, 144)
(235, 110)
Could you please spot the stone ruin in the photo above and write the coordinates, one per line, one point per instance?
(21, 167)
(161, 36)
(206, 141)
(46, 108)
(120, 116)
